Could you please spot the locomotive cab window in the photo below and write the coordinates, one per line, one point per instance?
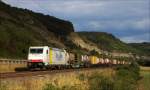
(36, 51)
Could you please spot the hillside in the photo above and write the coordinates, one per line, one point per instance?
(22, 28)
(143, 47)
(106, 41)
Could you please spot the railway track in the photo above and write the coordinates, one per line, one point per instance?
(36, 73)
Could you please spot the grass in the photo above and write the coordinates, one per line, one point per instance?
(145, 81)
(8, 67)
(59, 81)
(145, 68)
(124, 77)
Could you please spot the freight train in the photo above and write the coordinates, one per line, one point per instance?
(45, 57)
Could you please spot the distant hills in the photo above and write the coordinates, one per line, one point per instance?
(144, 47)
(106, 41)
(21, 28)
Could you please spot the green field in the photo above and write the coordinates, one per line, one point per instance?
(145, 82)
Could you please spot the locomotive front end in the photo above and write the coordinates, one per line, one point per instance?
(37, 57)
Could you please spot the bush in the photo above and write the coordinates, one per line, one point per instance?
(82, 77)
(144, 62)
(124, 80)
(70, 87)
(126, 77)
(99, 82)
(135, 69)
(65, 87)
(50, 87)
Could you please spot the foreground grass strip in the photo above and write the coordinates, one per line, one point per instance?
(144, 83)
(122, 78)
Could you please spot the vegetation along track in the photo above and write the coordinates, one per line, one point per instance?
(36, 73)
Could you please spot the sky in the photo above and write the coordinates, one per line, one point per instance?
(129, 20)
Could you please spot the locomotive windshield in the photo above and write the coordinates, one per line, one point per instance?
(36, 50)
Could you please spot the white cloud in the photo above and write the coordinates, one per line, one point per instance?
(142, 24)
(96, 25)
(78, 8)
(137, 38)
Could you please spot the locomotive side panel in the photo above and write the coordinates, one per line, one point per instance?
(57, 56)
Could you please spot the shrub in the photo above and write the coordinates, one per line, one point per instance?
(99, 82)
(126, 77)
(144, 62)
(82, 77)
(135, 69)
(65, 87)
(124, 80)
(50, 87)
